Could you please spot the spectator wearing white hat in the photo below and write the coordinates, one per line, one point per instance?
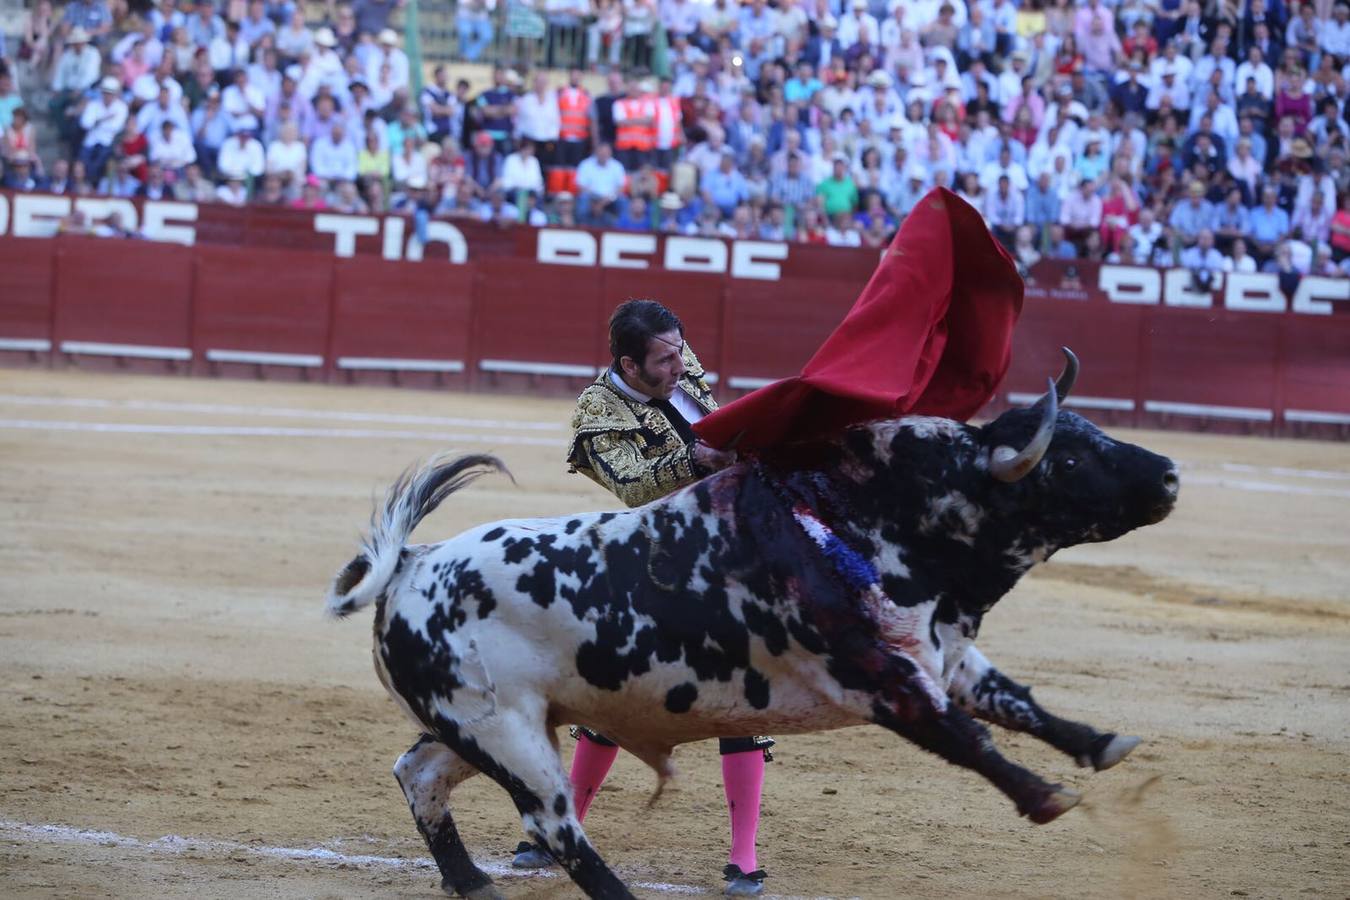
(391, 53)
(76, 71)
(102, 120)
(324, 65)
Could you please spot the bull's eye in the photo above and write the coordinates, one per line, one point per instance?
(1069, 463)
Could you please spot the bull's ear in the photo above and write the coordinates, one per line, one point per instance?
(1011, 464)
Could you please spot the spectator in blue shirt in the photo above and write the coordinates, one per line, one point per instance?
(1042, 204)
(1230, 219)
(725, 186)
(1192, 216)
(1267, 225)
(800, 88)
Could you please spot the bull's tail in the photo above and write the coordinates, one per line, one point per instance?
(417, 492)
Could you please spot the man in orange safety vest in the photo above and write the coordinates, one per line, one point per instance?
(574, 111)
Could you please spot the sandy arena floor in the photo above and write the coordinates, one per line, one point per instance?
(177, 719)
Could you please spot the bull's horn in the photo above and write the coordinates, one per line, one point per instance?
(1068, 376)
(1008, 463)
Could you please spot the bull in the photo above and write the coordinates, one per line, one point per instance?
(840, 585)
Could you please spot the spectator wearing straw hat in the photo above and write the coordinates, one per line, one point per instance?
(102, 120)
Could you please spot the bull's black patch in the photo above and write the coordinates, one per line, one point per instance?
(494, 535)
(560, 804)
(756, 689)
(680, 698)
(572, 526)
(517, 549)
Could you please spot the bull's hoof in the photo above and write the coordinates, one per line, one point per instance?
(1053, 805)
(483, 891)
(1113, 751)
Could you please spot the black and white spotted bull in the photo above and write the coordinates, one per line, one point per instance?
(842, 588)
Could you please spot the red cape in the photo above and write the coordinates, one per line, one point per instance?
(930, 335)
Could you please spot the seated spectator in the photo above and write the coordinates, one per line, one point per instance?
(1060, 245)
(240, 158)
(1230, 219)
(1081, 211)
(1205, 261)
(171, 148)
(634, 217)
(725, 186)
(288, 157)
(1312, 219)
(484, 164)
(20, 175)
(838, 193)
(1193, 215)
(600, 180)
(521, 172)
(1242, 260)
(1267, 224)
(233, 192)
(1340, 230)
(332, 157)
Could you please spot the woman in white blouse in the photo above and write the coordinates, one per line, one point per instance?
(1245, 167)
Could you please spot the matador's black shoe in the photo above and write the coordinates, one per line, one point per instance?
(743, 884)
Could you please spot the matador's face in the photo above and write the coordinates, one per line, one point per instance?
(660, 371)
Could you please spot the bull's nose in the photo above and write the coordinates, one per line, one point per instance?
(1172, 482)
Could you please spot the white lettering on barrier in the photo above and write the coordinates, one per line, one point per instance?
(160, 216)
(1253, 292)
(613, 246)
(393, 238)
(686, 254)
(38, 215)
(749, 259)
(4, 214)
(345, 229)
(98, 208)
(1316, 292)
(1178, 290)
(564, 247)
(1130, 284)
(440, 233)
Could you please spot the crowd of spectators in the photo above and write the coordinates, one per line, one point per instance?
(1211, 135)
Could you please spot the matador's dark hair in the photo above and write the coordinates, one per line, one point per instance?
(635, 323)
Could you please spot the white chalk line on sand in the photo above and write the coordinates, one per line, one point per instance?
(280, 412)
(1194, 471)
(25, 832)
(277, 431)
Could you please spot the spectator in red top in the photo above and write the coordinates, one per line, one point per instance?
(1141, 40)
(133, 150)
(1293, 101)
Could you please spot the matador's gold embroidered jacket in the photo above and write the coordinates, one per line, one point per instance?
(629, 448)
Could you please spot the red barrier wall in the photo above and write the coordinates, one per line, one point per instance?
(506, 321)
(26, 293)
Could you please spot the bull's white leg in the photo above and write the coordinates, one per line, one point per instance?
(428, 772)
(519, 752)
(985, 692)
